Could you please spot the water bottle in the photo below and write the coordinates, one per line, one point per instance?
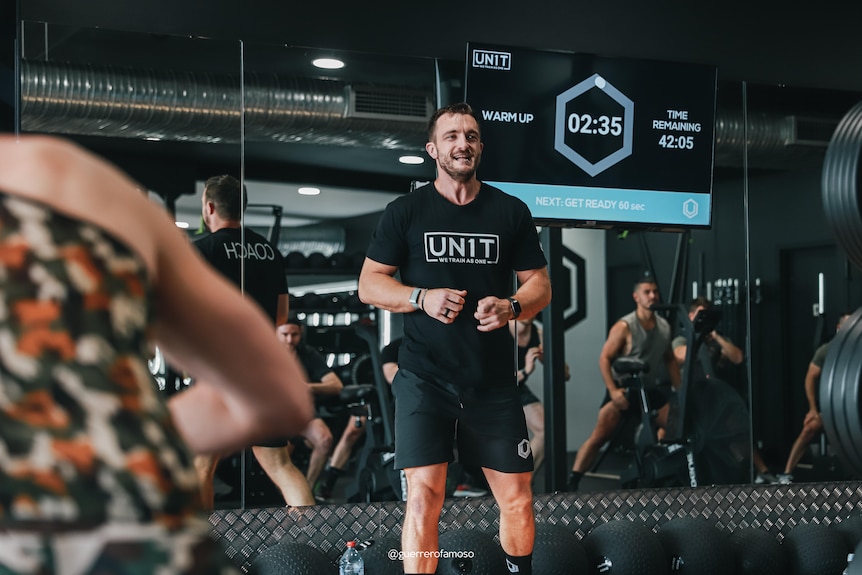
(351, 562)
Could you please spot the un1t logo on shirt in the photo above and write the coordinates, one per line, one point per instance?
(458, 248)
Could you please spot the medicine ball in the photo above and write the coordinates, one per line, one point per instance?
(558, 551)
(757, 552)
(382, 556)
(295, 260)
(469, 552)
(815, 550)
(289, 558)
(696, 546)
(624, 548)
(317, 260)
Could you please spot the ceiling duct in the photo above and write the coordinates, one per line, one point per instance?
(200, 107)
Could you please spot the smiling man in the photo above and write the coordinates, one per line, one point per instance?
(456, 244)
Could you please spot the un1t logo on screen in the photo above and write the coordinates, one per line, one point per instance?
(593, 125)
(492, 59)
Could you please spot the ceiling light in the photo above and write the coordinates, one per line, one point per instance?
(309, 191)
(411, 160)
(328, 63)
(183, 225)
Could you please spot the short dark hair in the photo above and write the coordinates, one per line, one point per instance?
(698, 302)
(643, 280)
(224, 192)
(458, 109)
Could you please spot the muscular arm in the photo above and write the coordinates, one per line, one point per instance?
(672, 364)
(378, 287)
(329, 384)
(679, 354)
(533, 294)
(812, 376)
(733, 354)
(613, 347)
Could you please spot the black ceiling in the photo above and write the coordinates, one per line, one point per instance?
(790, 60)
(811, 45)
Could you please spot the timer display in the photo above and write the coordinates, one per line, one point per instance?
(596, 142)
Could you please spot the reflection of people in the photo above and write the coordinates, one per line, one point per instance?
(812, 424)
(721, 354)
(720, 350)
(97, 475)
(322, 381)
(354, 429)
(456, 243)
(641, 335)
(258, 266)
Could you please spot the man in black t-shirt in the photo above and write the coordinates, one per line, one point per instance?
(322, 381)
(256, 266)
(455, 244)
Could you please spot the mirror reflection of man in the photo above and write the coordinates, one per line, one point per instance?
(641, 334)
(322, 381)
(232, 251)
(812, 424)
(720, 355)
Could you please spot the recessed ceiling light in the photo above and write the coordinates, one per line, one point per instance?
(328, 63)
(411, 160)
(309, 191)
(183, 225)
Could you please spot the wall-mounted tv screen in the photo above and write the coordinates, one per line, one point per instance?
(589, 141)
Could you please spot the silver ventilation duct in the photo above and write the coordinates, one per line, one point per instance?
(189, 106)
(199, 107)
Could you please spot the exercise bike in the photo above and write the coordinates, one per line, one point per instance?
(707, 438)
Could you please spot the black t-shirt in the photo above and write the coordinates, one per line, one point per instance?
(265, 278)
(475, 247)
(389, 354)
(313, 362)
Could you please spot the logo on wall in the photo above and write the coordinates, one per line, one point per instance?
(574, 286)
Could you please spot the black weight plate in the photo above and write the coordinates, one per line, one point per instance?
(839, 184)
(851, 353)
(839, 371)
(834, 385)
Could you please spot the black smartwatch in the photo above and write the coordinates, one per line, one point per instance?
(516, 307)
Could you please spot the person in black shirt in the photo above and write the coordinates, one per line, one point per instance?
(455, 244)
(248, 260)
(322, 381)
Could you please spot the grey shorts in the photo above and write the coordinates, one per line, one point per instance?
(487, 424)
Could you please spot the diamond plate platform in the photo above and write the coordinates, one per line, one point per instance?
(775, 508)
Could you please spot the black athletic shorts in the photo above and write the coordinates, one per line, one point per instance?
(656, 398)
(526, 395)
(488, 425)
